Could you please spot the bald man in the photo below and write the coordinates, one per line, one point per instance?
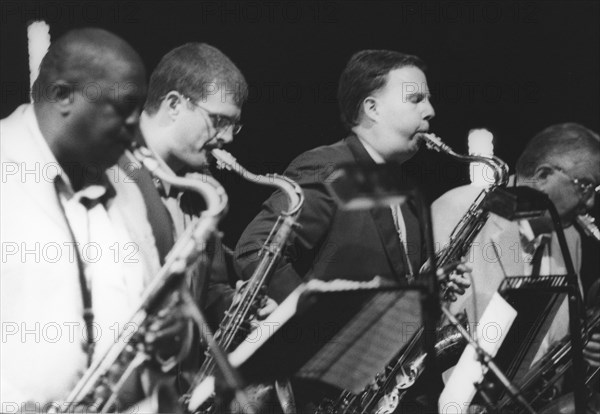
(77, 248)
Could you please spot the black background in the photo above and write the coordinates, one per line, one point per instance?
(513, 67)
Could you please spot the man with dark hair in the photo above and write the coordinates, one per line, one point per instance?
(80, 247)
(562, 161)
(384, 101)
(366, 72)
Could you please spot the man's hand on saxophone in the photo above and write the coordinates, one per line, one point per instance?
(171, 336)
(457, 278)
(267, 305)
(591, 351)
(267, 308)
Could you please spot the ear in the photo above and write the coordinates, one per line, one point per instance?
(173, 101)
(370, 108)
(62, 94)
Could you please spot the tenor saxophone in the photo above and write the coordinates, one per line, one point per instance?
(408, 369)
(236, 323)
(388, 389)
(99, 388)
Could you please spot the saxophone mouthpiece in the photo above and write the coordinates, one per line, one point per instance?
(140, 153)
(225, 161)
(435, 143)
(588, 225)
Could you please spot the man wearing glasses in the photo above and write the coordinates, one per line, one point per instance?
(562, 161)
(194, 105)
(194, 102)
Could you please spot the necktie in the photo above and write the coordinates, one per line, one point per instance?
(538, 255)
(401, 230)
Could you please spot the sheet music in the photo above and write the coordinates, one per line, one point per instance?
(491, 332)
(339, 332)
(365, 345)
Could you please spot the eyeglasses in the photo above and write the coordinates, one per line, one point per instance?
(220, 122)
(585, 187)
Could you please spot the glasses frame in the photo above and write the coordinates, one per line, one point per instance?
(219, 122)
(586, 189)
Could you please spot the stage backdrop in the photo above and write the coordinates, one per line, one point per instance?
(513, 67)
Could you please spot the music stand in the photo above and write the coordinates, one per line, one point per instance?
(516, 203)
(338, 332)
(326, 331)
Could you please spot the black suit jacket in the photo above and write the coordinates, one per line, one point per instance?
(331, 243)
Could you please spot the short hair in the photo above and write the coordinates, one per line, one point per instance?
(367, 71)
(79, 56)
(195, 70)
(556, 141)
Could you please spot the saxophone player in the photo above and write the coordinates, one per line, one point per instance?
(79, 246)
(562, 161)
(385, 104)
(194, 105)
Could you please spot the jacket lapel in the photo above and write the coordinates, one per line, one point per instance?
(40, 193)
(390, 240)
(382, 217)
(414, 239)
(36, 170)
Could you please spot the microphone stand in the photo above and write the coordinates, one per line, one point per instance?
(486, 359)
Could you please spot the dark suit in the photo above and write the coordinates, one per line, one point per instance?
(330, 243)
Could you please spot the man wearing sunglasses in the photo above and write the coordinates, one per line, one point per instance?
(562, 161)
